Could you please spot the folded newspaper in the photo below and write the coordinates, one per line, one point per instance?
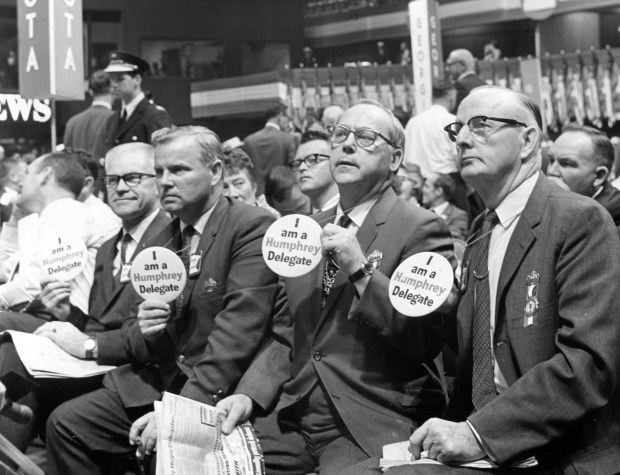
(395, 455)
(190, 441)
(45, 359)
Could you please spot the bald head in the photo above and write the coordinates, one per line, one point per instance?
(331, 114)
(496, 156)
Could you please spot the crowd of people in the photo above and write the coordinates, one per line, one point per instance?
(518, 364)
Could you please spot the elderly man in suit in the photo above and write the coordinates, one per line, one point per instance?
(363, 374)
(437, 195)
(271, 146)
(86, 130)
(95, 335)
(538, 326)
(197, 347)
(139, 117)
(582, 159)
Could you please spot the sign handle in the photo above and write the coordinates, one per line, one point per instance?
(53, 123)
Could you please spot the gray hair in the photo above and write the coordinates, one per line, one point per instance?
(209, 145)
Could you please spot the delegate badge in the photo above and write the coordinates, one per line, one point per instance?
(63, 258)
(158, 274)
(420, 284)
(292, 245)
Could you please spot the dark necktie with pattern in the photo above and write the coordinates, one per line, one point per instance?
(186, 249)
(124, 116)
(331, 268)
(483, 381)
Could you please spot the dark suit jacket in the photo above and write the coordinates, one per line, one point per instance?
(86, 130)
(562, 401)
(226, 310)
(609, 199)
(146, 119)
(457, 220)
(110, 306)
(378, 365)
(268, 148)
(464, 86)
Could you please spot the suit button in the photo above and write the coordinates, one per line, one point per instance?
(316, 356)
(181, 359)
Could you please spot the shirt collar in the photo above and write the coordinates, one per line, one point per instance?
(139, 229)
(199, 225)
(358, 213)
(133, 104)
(333, 201)
(513, 205)
(273, 124)
(441, 209)
(105, 104)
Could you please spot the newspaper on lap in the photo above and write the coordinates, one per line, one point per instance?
(190, 441)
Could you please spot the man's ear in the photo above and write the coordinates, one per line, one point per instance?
(601, 172)
(217, 169)
(530, 137)
(396, 159)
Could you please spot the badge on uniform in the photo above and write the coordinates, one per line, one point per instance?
(125, 274)
(210, 285)
(531, 301)
(195, 263)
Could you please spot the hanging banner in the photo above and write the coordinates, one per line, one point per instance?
(51, 64)
(426, 47)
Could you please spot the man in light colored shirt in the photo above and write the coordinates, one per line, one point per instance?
(427, 145)
(311, 168)
(538, 324)
(48, 201)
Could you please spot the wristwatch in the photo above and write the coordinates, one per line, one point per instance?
(89, 347)
(368, 266)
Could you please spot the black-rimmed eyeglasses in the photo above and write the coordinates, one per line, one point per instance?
(310, 161)
(130, 179)
(363, 137)
(478, 127)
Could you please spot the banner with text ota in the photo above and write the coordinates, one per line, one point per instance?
(426, 48)
(51, 59)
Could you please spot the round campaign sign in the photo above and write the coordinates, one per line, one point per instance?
(421, 283)
(292, 245)
(158, 274)
(63, 257)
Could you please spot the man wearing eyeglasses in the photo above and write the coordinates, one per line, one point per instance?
(311, 167)
(197, 346)
(538, 326)
(96, 334)
(359, 374)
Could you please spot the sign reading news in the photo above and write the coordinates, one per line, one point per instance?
(158, 274)
(420, 284)
(292, 245)
(63, 258)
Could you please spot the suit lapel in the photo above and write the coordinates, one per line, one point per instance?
(366, 235)
(206, 240)
(109, 290)
(521, 240)
(153, 230)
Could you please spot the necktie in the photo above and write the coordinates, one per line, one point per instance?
(124, 115)
(126, 239)
(483, 382)
(331, 268)
(186, 248)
